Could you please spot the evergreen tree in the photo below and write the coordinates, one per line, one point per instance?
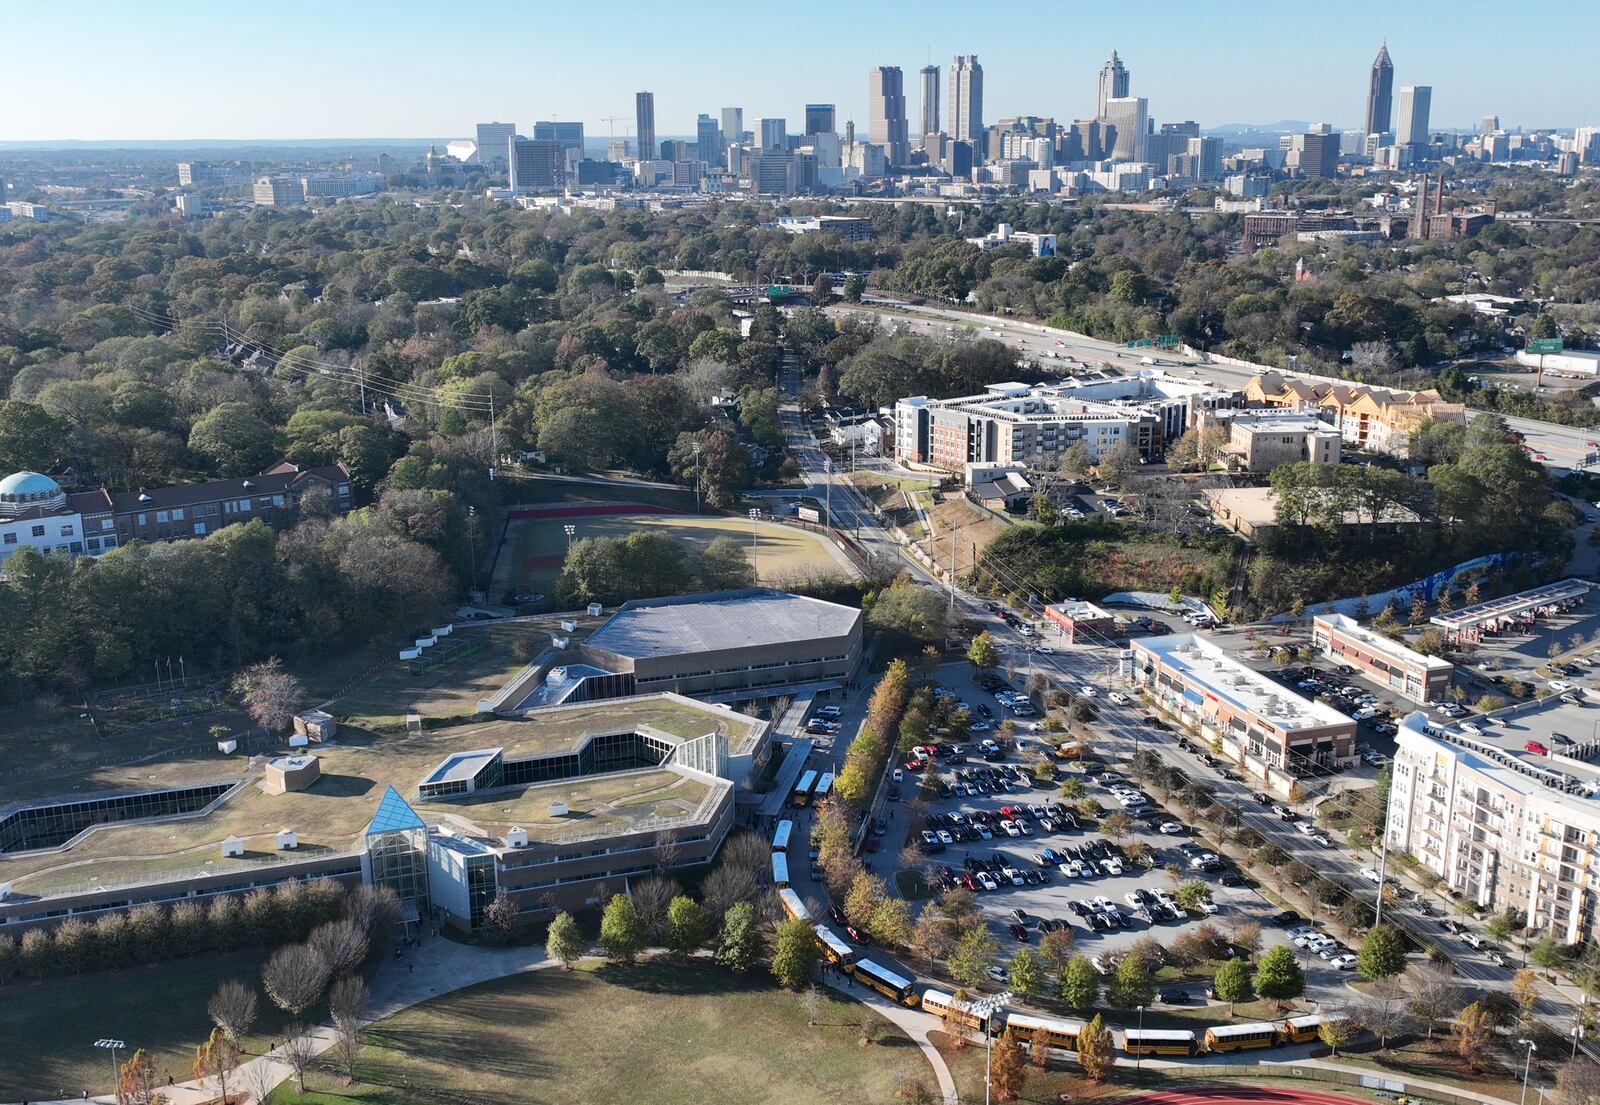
(564, 942)
(622, 933)
(686, 925)
(1382, 954)
(1080, 983)
(794, 954)
(1279, 977)
(739, 945)
(1233, 983)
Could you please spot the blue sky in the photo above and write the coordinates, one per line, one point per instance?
(98, 69)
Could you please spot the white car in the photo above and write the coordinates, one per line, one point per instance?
(1045, 650)
(1346, 962)
(1304, 828)
(1009, 827)
(945, 837)
(1300, 930)
(1561, 686)
(1130, 801)
(984, 833)
(1171, 828)
(1322, 839)
(1022, 827)
(1468, 727)
(1112, 866)
(1026, 631)
(1072, 869)
(986, 880)
(1370, 875)
(1090, 692)
(1120, 699)
(899, 775)
(1103, 903)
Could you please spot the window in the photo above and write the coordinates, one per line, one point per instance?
(94, 544)
(161, 516)
(107, 523)
(9, 539)
(277, 500)
(38, 531)
(199, 528)
(142, 519)
(66, 531)
(177, 514)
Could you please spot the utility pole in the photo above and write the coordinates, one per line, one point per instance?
(494, 438)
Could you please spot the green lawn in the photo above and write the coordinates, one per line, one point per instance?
(49, 1028)
(657, 1032)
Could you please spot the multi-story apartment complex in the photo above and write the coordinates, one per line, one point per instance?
(1503, 825)
(1033, 425)
(330, 185)
(1367, 417)
(1260, 440)
(277, 191)
(1405, 671)
(1268, 729)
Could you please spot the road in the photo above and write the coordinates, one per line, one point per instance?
(1564, 447)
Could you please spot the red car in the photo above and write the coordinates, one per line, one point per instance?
(969, 882)
(1536, 748)
(912, 765)
(1593, 444)
(857, 935)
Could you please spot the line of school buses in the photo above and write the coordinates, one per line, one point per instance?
(1062, 1034)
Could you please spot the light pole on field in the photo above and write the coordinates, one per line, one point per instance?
(571, 530)
(755, 533)
(114, 1046)
(1527, 1065)
(1138, 1056)
(987, 1008)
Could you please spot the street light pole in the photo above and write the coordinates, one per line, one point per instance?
(755, 533)
(988, 1007)
(571, 530)
(1138, 1056)
(1527, 1065)
(113, 1046)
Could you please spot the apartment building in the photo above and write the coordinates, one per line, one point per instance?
(1507, 827)
(1260, 440)
(1013, 423)
(1405, 671)
(1372, 418)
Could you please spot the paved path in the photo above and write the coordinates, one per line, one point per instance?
(438, 967)
(913, 1022)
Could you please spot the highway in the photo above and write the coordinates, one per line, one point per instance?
(1564, 447)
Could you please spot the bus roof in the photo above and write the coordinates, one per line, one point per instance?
(1154, 1035)
(882, 972)
(1305, 1020)
(1030, 1020)
(831, 938)
(780, 867)
(793, 904)
(808, 779)
(1255, 1028)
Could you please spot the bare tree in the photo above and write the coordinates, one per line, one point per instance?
(343, 944)
(1577, 1082)
(233, 1008)
(1435, 997)
(667, 851)
(347, 1003)
(375, 908)
(259, 1077)
(299, 1049)
(811, 1002)
(295, 977)
(726, 886)
(269, 693)
(651, 895)
(1382, 1016)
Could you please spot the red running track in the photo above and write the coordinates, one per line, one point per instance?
(591, 510)
(1224, 1094)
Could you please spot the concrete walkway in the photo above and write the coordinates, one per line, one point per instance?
(438, 967)
(913, 1022)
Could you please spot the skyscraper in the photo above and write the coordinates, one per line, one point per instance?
(1380, 86)
(570, 135)
(886, 112)
(644, 109)
(966, 98)
(1113, 84)
(774, 134)
(819, 119)
(1411, 129)
(1126, 121)
(930, 99)
(1319, 153)
(708, 139)
(536, 164)
(732, 125)
(494, 143)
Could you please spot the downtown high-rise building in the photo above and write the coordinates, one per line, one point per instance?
(820, 119)
(1380, 89)
(1125, 124)
(965, 114)
(1113, 84)
(494, 144)
(708, 139)
(537, 164)
(732, 126)
(644, 111)
(1411, 128)
(930, 99)
(570, 135)
(773, 134)
(886, 112)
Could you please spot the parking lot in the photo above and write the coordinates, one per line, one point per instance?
(1063, 871)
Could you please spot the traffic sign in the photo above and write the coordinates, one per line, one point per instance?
(1544, 345)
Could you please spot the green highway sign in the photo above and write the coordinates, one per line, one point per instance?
(1544, 345)
(1164, 340)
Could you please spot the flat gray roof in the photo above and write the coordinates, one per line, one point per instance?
(462, 766)
(719, 621)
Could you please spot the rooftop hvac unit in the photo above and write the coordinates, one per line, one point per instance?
(443, 630)
(233, 846)
(558, 809)
(299, 740)
(227, 748)
(594, 609)
(427, 642)
(410, 653)
(286, 840)
(516, 838)
(569, 626)
(560, 642)
(5, 891)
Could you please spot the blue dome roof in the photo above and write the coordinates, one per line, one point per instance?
(29, 483)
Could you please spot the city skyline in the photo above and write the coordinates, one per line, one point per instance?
(127, 76)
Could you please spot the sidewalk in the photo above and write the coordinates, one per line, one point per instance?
(912, 1022)
(438, 967)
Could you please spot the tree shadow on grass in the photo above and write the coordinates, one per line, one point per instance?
(696, 978)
